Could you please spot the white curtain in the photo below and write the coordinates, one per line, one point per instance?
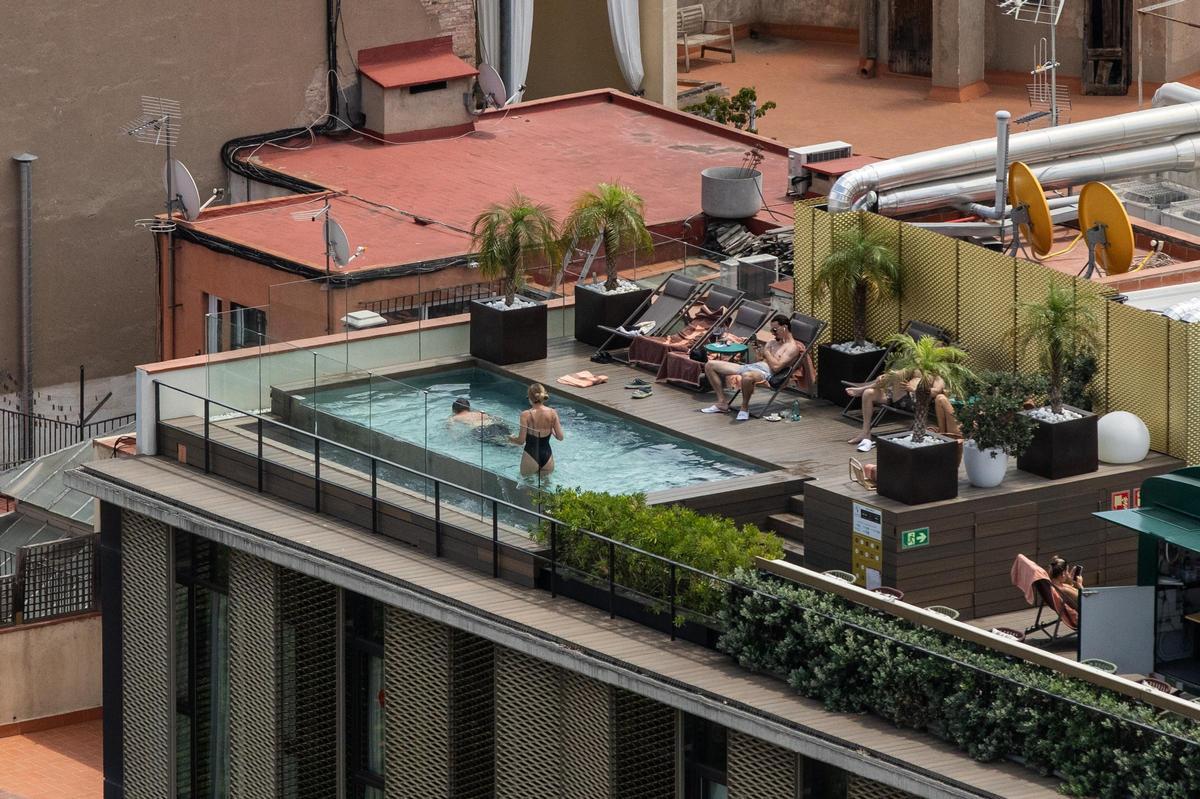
(625, 23)
(522, 39)
(487, 18)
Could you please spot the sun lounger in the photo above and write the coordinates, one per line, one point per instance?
(806, 330)
(902, 404)
(1033, 581)
(708, 311)
(661, 309)
(681, 369)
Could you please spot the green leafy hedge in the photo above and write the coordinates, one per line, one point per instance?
(711, 544)
(988, 717)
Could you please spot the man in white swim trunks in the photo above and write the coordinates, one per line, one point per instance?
(773, 359)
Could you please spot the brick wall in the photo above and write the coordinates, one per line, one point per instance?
(457, 18)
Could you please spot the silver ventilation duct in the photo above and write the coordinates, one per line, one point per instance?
(962, 162)
(1174, 94)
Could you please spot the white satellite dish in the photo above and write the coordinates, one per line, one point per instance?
(492, 86)
(178, 179)
(339, 245)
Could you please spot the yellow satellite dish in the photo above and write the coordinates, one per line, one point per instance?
(1103, 216)
(1025, 192)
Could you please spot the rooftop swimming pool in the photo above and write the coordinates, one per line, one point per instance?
(601, 451)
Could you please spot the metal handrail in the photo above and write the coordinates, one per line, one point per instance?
(672, 565)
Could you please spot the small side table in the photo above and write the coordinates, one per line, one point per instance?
(731, 350)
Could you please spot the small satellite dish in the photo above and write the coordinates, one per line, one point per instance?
(492, 86)
(184, 187)
(1103, 219)
(339, 245)
(1031, 214)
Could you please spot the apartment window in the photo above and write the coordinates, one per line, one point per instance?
(365, 701)
(704, 759)
(213, 306)
(247, 327)
(201, 668)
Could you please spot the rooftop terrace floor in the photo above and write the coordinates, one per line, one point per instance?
(53, 764)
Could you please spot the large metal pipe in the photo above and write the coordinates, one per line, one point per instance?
(1175, 94)
(25, 166)
(1035, 146)
(1182, 154)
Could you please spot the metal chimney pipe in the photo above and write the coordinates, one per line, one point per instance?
(1001, 199)
(25, 165)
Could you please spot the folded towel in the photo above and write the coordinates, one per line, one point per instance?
(583, 379)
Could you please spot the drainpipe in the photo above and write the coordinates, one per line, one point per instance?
(25, 165)
(869, 24)
(1000, 203)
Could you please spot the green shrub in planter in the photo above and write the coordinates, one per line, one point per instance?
(711, 544)
(988, 705)
(991, 415)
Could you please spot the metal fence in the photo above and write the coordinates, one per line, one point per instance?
(24, 436)
(44, 581)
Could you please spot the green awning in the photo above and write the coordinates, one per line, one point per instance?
(1170, 509)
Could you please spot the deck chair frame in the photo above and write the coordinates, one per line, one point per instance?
(1050, 627)
(732, 303)
(656, 295)
(810, 332)
(748, 332)
(915, 330)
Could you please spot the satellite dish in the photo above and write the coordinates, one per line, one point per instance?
(184, 187)
(1104, 221)
(492, 86)
(339, 245)
(1031, 214)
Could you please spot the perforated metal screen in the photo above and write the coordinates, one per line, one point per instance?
(253, 678)
(758, 770)
(472, 717)
(862, 788)
(416, 675)
(644, 747)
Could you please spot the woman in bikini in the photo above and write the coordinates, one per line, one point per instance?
(537, 425)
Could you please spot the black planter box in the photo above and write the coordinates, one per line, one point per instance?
(512, 336)
(916, 475)
(634, 609)
(594, 308)
(834, 366)
(1064, 449)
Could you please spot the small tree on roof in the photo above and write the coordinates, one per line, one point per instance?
(615, 213)
(508, 237)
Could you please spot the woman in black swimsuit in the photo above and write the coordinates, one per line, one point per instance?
(537, 425)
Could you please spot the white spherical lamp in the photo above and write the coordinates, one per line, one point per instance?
(1122, 438)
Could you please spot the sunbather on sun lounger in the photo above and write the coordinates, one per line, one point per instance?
(775, 358)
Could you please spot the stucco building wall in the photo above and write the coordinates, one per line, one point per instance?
(50, 668)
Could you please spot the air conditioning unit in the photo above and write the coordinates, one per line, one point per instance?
(799, 178)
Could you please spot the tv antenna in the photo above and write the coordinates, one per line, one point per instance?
(1041, 12)
(337, 250)
(491, 86)
(159, 125)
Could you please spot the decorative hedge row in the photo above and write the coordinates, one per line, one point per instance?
(992, 711)
(711, 544)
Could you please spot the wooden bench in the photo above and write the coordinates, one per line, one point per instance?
(693, 30)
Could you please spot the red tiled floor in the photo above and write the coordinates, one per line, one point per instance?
(60, 763)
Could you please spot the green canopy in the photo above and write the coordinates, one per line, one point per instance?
(1170, 508)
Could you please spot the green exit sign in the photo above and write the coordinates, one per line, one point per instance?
(911, 539)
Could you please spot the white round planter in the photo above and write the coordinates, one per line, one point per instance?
(985, 468)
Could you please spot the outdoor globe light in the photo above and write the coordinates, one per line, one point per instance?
(1123, 438)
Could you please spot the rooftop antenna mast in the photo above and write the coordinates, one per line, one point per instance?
(1041, 12)
(159, 125)
(337, 250)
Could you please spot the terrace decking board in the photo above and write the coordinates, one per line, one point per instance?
(565, 622)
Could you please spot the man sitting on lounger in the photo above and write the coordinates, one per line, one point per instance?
(892, 387)
(767, 361)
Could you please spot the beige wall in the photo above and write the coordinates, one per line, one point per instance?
(395, 111)
(73, 74)
(817, 13)
(49, 669)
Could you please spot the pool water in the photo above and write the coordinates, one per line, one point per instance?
(601, 451)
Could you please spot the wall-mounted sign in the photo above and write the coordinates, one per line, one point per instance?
(1121, 500)
(866, 545)
(911, 539)
(868, 521)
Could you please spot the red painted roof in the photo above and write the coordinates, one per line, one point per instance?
(548, 150)
(413, 63)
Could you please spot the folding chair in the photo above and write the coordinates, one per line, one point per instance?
(663, 307)
(916, 331)
(679, 368)
(806, 330)
(651, 349)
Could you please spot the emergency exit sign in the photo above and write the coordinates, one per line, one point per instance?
(911, 539)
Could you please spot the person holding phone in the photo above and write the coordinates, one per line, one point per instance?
(1068, 580)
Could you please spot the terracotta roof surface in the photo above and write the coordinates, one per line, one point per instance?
(548, 150)
(413, 63)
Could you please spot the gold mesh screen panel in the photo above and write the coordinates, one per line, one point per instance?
(146, 699)
(1095, 297)
(802, 259)
(253, 682)
(1178, 376)
(986, 287)
(1137, 360)
(759, 770)
(883, 315)
(527, 728)
(416, 678)
(472, 716)
(1193, 402)
(1033, 281)
(644, 747)
(822, 246)
(586, 737)
(928, 279)
(842, 226)
(862, 788)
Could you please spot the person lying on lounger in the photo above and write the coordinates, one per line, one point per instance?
(764, 363)
(485, 426)
(892, 387)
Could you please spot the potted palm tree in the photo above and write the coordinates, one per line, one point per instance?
(1065, 442)
(994, 426)
(918, 466)
(614, 214)
(510, 238)
(862, 268)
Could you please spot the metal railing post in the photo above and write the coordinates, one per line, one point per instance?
(207, 456)
(612, 579)
(157, 405)
(316, 474)
(495, 539)
(553, 559)
(374, 495)
(437, 518)
(259, 463)
(671, 621)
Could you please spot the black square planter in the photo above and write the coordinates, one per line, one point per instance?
(1063, 449)
(916, 475)
(510, 336)
(834, 366)
(594, 308)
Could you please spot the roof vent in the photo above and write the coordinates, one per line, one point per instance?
(414, 90)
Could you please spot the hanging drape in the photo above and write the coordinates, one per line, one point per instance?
(519, 44)
(625, 24)
(487, 18)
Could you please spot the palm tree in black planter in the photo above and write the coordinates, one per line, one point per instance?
(862, 268)
(919, 466)
(510, 238)
(614, 214)
(1064, 443)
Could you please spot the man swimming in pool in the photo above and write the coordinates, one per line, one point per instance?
(485, 426)
(769, 361)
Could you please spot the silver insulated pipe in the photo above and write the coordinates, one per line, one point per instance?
(1035, 146)
(1175, 94)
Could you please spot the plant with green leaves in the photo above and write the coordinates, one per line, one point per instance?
(994, 422)
(861, 268)
(510, 238)
(923, 364)
(614, 213)
(1058, 326)
(733, 110)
